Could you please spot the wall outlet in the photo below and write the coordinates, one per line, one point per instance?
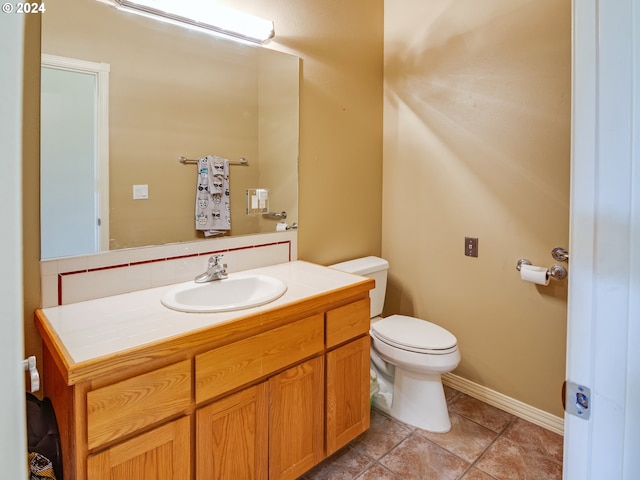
(471, 246)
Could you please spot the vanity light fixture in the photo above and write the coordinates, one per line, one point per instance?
(203, 15)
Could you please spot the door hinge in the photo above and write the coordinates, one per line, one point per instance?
(576, 400)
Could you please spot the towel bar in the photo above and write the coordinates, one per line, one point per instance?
(275, 215)
(243, 161)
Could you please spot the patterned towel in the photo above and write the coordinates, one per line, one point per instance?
(213, 215)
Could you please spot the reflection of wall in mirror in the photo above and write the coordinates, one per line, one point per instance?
(278, 135)
(173, 92)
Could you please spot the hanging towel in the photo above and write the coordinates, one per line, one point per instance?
(213, 215)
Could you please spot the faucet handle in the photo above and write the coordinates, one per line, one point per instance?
(215, 260)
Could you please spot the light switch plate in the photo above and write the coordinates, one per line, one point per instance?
(471, 246)
(140, 192)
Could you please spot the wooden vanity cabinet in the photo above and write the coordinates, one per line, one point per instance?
(160, 454)
(237, 401)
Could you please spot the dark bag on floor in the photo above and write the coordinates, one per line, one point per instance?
(42, 432)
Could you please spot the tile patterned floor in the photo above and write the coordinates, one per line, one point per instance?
(484, 443)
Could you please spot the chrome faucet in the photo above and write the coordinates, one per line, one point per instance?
(216, 270)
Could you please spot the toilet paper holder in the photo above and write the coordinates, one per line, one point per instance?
(560, 254)
(557, 272)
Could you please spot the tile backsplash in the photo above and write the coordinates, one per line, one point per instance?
(75, 279)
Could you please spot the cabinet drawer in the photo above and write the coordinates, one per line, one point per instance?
(347, 322)
(225, 368)
(124, 407)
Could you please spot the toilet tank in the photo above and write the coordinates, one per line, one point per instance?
(372, 267)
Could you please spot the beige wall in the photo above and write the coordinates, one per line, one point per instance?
(278, 132)
(476, 143)
(340, 46)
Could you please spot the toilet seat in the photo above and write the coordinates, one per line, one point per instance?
(414, 335)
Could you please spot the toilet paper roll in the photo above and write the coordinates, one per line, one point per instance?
(534, 274)
(281, 227)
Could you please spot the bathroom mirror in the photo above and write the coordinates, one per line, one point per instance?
(175, 92)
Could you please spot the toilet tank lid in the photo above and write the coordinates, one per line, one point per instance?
(362, 266)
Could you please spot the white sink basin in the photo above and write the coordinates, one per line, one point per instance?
(236, 292)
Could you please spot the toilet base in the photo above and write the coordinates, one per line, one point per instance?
(418, 399)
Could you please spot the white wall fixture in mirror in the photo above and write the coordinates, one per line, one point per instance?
(207, 16)
(179, 92)
(257, 201)
(74, 157)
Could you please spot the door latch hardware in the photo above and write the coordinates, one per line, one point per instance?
(577, 400)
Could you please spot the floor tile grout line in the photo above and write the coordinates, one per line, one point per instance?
(502, 433)
(512, 417)
(416, 431)
(386, 452)
(498, 434)
(412, 431)
(473, 465)
(384, 467)
(407, 431)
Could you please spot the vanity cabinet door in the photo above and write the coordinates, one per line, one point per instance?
(232, 436)
(164, 453)
(296, 419)
(348, 387)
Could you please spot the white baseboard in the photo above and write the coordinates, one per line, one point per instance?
(508, 404)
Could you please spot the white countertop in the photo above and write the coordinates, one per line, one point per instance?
(105, 326)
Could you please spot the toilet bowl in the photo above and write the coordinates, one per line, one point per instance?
(408, 355)
(420, 353)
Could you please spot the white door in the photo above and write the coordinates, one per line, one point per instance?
(13, 448)
(604, 289)
(69, 218)
(74, 157)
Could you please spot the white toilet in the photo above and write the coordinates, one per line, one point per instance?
(408, 356)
